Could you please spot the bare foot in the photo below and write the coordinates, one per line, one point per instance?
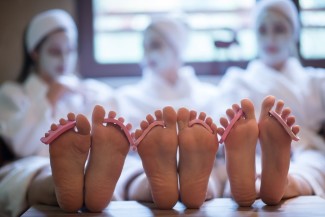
(68, 154)
(276, 148)
(158, 154)
(240, 146)
(197, 152)
(107, 155)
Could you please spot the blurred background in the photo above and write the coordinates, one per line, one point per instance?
(110, 34)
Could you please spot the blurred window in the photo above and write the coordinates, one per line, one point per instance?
(312, 16)
(221, 33)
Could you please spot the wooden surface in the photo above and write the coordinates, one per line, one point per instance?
(308, 206)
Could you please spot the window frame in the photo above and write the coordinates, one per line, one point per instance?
(88, 66)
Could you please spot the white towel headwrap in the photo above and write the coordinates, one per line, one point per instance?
(174, 31)
(286, 7)
(46, 22)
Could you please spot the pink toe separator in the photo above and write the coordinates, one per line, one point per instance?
(198, 121)
(238, 115)
(60, 130)
(71, 124)
(146, 131)
(122, 126)
(285, 126)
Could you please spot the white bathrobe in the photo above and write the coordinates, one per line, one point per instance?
(303, 90)
(25, 115)
(134, 102)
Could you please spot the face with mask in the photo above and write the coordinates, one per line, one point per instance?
(57, 55)
(159, 55)
(275, 38)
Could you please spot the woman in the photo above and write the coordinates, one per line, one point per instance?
(165, 81)
(278, 72)
(48, 86)
(47, 89)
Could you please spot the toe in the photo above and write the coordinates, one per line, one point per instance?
(138, 133)
(62, 121)
(267, 105)
(71, 116)
(169, 116)
(248, 108)
(111, 114)
(285, 113)
(54, 127)
(150, 119)
(279, 106)
(295, 129)
(230, 114)
(83, 125)
(193, 115)
(202, 116)
(224, 122)
(183, 117)
(159, 115)
(144, 125)
(235, 107)
(209, 121)
(291, 120)
(128, 126)
(98, 115)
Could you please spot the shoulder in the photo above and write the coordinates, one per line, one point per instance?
(12, 90)
(12, 96)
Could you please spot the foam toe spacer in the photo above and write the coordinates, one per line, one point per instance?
(146, 131)
(52, 135)
(284, 125)
(238, 115)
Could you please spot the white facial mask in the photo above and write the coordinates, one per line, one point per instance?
(158, 55)
(274, 37)
(57, 56)
(159, 61)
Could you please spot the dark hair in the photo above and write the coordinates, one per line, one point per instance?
(6, 155)
(28, 61)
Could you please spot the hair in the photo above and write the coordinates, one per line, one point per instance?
(6, 155)
(28, 61)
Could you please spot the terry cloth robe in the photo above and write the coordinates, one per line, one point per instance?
(136, 101)
(15, 179)
(303, 90)
(26, 114)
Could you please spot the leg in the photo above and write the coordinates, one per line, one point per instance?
(276, 150)
(139, 189)
(41, 189)
(68, 154)
(107, 155)
(217, 180)
(197, 153)
(240, 147)
(158, 154)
